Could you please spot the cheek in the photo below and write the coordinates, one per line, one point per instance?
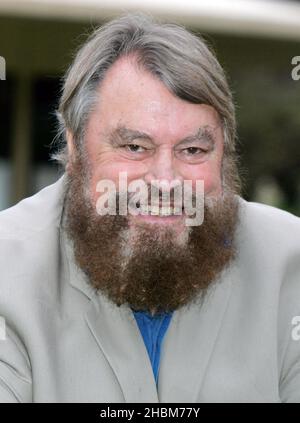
(110, 170)
(210, 174)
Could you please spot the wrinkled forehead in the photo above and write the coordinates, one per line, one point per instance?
(131, 97)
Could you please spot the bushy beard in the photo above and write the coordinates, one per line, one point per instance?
(146, 267)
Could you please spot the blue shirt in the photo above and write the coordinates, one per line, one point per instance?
(153, 329)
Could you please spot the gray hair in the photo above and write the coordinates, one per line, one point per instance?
(180, 59)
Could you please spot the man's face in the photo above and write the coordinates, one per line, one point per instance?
(149, 262)
(140, 128)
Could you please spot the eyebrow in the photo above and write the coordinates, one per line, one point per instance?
(127, 135)
(123, 134)
(204, 133)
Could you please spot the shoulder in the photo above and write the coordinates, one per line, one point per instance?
(33, 214)
(265, 213)
(29, 244)
(268, 248)
(263, 225)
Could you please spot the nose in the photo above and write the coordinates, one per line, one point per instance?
(162, 168)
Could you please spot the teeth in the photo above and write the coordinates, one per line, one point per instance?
(166, 211)
(144, 209)
(160, 211)
(153, 210)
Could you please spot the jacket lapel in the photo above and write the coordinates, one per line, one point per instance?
(189, 344)
(117, 334)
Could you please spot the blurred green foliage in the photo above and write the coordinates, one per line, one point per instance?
(268, 112)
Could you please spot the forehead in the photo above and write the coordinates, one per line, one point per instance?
(132, 97)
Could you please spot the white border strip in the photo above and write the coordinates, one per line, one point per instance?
(269, 18)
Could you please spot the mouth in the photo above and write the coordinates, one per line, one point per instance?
(159, 214)
(162, 211)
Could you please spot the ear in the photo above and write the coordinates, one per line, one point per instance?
(71, 149)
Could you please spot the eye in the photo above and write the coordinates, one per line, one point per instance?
(134, 148)
(193, 151)
(192, 154)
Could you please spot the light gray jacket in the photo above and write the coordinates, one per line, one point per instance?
(64, 343)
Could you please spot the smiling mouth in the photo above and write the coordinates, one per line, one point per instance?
(160, 210)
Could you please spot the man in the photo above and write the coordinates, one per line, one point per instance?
(112, 296)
